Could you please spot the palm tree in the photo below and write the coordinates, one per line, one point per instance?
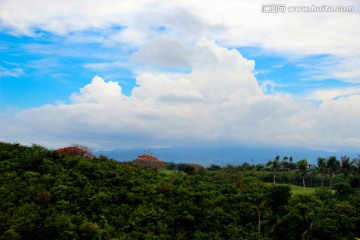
(284, 163)
(321, 168)
(309, 218)
(345, 165)
(260, 201)
(302, 166)
(332, 166)
(274, 166)
(355, 164)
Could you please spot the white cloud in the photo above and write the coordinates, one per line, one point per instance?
(230, 23)
(338, 121)
(64, 16)
(241, 23)
(12, 72)
(163, 52)
(268, 87)
(326, 94)
(98, 92)
(332, 67)
(104, 65)
(220, 100)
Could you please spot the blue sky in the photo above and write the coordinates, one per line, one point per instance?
(42, 69)
(157, 74)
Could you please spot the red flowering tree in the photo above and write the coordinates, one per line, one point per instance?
(148, 160)
(76, 150)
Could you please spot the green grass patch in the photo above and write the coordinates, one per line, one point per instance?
(166, 171)
(301, 190)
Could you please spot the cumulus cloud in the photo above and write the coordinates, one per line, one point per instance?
(163, 52)
(337, 121)
(220, 101)
(98, 92)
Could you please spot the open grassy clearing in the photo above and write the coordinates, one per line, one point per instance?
(301, 190)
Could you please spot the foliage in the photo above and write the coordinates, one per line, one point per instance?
(214, 167)
(49, 195)
(76, 150)
(321, 168)
(274, 167)
(147, 160)
(355, 165)
(332, 166)
(302, 166)
(345, 165)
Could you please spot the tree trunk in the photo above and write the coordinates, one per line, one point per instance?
(331, 182)
(322, 180)
(303, 177)
(259, 224)
(274, 181)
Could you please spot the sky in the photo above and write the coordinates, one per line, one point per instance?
(155, 73)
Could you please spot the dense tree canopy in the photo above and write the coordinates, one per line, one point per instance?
(45, 194)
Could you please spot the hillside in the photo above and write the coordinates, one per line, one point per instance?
(207, 155)
(49, 195)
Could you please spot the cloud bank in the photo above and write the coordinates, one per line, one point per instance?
(219, 101)
(233, 23)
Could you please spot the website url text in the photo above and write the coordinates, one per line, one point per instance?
(282, 8)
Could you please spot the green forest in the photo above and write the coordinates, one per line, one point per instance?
(71, 194)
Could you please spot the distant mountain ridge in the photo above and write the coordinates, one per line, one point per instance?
(224, 155)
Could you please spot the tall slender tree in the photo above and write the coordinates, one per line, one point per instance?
(260, 201)
(274, 167)
(302, 166)
(321, 168)
(285, 163)
(355, 165)
(345, 165)
(332, 165)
